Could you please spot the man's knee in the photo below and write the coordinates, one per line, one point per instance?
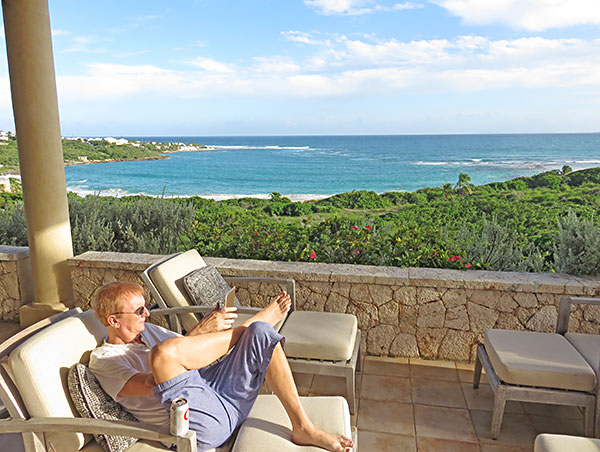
(260, 329)
(164, 353)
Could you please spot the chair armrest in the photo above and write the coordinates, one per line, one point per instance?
(562, 323)
(195, 309)
(139, 430)
(290, 284)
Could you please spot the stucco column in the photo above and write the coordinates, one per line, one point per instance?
(35, 106)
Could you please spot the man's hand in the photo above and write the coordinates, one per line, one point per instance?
(219, 319)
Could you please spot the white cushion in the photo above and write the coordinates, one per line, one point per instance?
(588, 345)
(268, 428)
(168, 279)
(40, 367)
(563, 443)
(538, 359)
(320, 335)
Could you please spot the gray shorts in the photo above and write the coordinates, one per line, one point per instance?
(221, 395)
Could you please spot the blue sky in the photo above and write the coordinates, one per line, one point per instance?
(287, 67)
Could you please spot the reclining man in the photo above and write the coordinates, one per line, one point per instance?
(145, 367)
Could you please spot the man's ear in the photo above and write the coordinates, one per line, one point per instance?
(112, 321)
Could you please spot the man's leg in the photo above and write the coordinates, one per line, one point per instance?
(281, 381)
(178, 355)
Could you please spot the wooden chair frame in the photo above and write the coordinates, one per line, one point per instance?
(504, 392)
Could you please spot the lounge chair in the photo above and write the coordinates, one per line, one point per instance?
(315, 342)
(557, 368)
(33, 387)
(565, 443)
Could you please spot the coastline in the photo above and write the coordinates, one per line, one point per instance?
(120, 193)
(89, 162)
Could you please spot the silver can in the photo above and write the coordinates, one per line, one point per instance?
(180, 417)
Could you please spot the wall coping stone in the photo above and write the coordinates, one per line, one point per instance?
(348, 273)
(13, 253)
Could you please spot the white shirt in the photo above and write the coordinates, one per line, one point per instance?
(114, 364)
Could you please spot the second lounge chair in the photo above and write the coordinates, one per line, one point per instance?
(321, 343)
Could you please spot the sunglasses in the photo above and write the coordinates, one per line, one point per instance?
(139, 311)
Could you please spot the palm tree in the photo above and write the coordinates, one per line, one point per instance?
(448, 191)
(464, 186)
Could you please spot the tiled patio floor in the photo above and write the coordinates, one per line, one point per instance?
(413, 405)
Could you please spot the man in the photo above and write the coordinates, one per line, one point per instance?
(145, 367)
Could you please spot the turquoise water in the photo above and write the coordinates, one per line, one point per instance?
(313, 166)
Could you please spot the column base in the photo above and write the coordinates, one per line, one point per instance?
(34, 312)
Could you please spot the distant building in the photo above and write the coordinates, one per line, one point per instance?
(116, 141)
(5, 184)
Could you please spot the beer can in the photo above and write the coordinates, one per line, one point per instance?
(180, 417)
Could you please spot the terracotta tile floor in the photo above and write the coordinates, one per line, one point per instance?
(414, 405)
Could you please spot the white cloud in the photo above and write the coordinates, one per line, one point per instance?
(275, 64)
(210, 65)
(535, 15)
(357, 7)
(350, 68)
(301, 37)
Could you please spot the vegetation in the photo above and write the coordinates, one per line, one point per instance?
(82, 150)
(546, 222)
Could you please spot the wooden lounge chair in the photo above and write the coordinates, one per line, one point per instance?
(33, 387)
(315, 342)
(556, 368)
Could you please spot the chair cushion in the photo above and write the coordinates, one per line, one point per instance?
(563, 443)
(268, 428)
(91, 401)
(168, 276)
(206, 287)
(588, 346)
(538, 359)
(40, 367)
(320, 335)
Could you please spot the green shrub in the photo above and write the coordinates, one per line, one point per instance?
(494, 246)
(13, 229)
(360, 199)
(577, 246)
(148, 225)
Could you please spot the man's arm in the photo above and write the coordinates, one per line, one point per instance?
(139, 385)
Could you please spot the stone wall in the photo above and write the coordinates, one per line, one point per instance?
(16, 288)
(414, 312)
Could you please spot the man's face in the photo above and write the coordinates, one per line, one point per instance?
(130, 323)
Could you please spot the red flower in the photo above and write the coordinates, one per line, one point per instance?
(313, 255)
(357, 251)
(454, 258)
(355, 228)
(467, 265)
(368, 227)
(435, 253)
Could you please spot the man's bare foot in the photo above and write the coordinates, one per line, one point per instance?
(316, 437)
(276, 311)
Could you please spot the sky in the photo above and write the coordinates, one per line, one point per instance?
(322, 67)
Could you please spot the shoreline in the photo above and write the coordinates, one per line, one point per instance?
(89, 162)
(120, 193)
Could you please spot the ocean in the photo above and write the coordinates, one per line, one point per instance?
(311, 167)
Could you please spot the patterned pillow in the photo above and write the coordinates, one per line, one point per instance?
(206, 287)
(91, 401)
